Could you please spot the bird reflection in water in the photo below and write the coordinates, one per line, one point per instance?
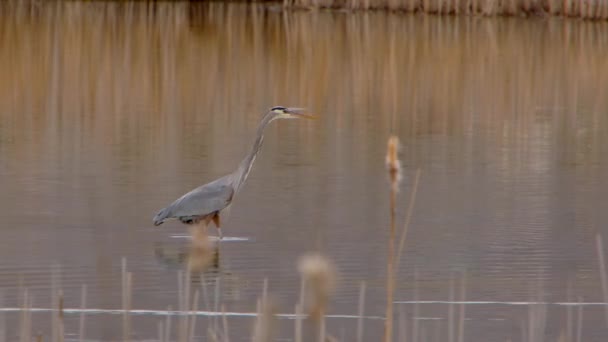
(199, 255)
(202, 252)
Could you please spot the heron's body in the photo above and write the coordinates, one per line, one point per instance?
(202, 203)
(211, 202)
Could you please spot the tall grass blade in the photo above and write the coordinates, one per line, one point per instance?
(602, 264)
(225, 324)
(60, 318)
(461, 319)
(55, 286)
(579, 322)
(361, 311)
(415, 320)
(2, 319)
(161, 333)
(451, 311)
(216, 304)
(83, 305)
(394, 170)
(168, 325)
(298, 322)
(408, 217)
(402, 327)
(193, 316)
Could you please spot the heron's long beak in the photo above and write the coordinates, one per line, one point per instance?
(300, 113)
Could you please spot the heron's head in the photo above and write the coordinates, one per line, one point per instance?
(279, 112)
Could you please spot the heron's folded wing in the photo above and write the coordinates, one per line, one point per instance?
(204, 200)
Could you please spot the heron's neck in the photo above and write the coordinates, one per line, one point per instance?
(247, 162)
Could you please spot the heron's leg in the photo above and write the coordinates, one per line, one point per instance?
(216, 220)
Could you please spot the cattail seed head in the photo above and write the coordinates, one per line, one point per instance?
(319, 277)
(393, 163)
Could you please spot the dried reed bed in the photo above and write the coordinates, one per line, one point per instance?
(91, 66)
(592, 10)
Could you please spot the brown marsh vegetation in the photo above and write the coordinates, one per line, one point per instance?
(582, 9)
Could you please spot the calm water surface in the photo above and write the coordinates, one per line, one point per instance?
(110, 111)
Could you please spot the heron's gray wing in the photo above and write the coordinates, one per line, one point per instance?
(203, 200)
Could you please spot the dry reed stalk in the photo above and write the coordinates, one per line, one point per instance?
(83, 305)
(25, 318)
(423, 333)
(566, 7)
(216, 305)
(300, 311)
(402, 327)
(360, 311)
(213, 335)
(569, 310)
(298, 322)
(60, 319)
(225, 324)
(451, 311)
(264, 328)
(415, 321)
(394, 169)
(537, 318)
(322, 332)
(2, 318)
(55, 285)
(127, 289)
(319, 276)
(123, 293)
(579, 321)
(193, 312)
(183, 295)
(551, 9)
(180, 306)
(438, 329)
(522, 324)
(602, 264)
(408, 217)
(161, 333)
(168, 324)
(265, 289)
(206, 304)
(463, 293)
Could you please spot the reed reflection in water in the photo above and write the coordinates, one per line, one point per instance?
(109, 110)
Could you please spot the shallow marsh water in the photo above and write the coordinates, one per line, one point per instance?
(110, 111)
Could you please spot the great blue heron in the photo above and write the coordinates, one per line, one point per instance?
(208, 202)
